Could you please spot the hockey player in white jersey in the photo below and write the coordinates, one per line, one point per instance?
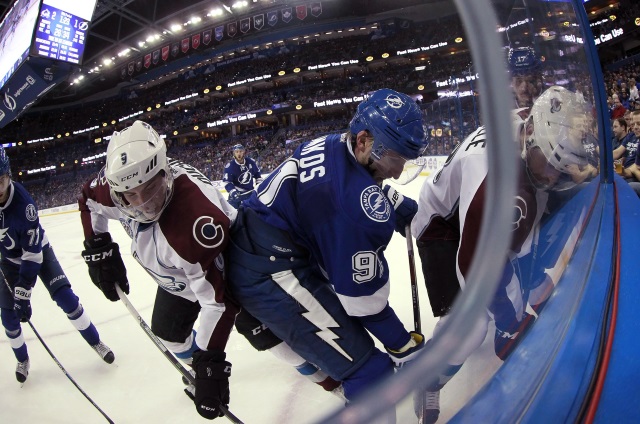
(179, 226)
(449, 217)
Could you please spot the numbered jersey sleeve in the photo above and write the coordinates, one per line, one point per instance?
(21, 236)
(96, 206)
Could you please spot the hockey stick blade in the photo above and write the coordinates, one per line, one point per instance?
(174, 361)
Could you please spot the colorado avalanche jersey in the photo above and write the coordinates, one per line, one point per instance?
(329, 204)
(21, 236)
(241, 176)
(182, 250)
(452, 201)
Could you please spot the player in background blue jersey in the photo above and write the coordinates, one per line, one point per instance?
(26, 255)
(306, 255)
(239, 176)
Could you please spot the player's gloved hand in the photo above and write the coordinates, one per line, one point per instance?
(212, 382)
(234, 195)
(405, 208)
(407, 352)
(22, 302)
(106, 268)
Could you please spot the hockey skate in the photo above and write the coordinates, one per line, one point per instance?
(105, 353)
(22, 371)
(427, 406)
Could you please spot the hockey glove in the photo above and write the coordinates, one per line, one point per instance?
(106, 268)
(405, 208)
(22, 302)
(407, 352)
(233, 196)
(212, 382)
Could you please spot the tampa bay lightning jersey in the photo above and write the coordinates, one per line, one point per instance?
(21, 236)
(332, 206)
(240, 176)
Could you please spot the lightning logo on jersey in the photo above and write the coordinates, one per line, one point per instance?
(375, 204)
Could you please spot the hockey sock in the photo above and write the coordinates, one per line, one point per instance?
(184, 351)
(14, 333)
(69, 303)
(284, 352)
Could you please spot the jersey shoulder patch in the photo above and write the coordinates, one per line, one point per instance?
(375, 204)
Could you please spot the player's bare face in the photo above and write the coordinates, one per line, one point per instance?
(148, 198)
(5, 180)
(525, 89)
(545, 176)
(390, 165)
(238, 155)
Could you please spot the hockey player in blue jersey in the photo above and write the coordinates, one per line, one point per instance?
(306, 255)
(26, 255)
(239, 176)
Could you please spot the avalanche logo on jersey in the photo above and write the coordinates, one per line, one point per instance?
(207, 233)
(3, 234)
(31, 213)
(166, 282)
(375, 204)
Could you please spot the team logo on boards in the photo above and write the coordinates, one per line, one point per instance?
(375, 204)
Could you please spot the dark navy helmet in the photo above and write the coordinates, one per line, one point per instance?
(523, 60)
(5, 167)
(237, 147)
(395, 122)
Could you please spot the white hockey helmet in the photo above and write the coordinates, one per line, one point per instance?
(135, 155)
(557, 128)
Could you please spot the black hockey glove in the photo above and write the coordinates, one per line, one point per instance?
(106, 268)
(22, 302)
(212, 382)
(405, 207)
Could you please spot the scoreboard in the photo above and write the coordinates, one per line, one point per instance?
(61, 29)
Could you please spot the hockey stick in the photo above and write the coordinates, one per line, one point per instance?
(414, 280)
(56, 359)
(419, 401)
(174, 361)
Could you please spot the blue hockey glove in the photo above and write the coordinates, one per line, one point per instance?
(233, 195)
(212, 382)
(22, 303)
(407, 352)
(405, 207)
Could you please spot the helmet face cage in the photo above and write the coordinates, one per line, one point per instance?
(134, 156)
(394, 120)
(559, 125)
(138, 212)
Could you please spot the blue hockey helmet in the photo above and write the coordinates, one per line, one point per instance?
(523, 60)
(237, 147)
(395, 122)
(5, 167)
